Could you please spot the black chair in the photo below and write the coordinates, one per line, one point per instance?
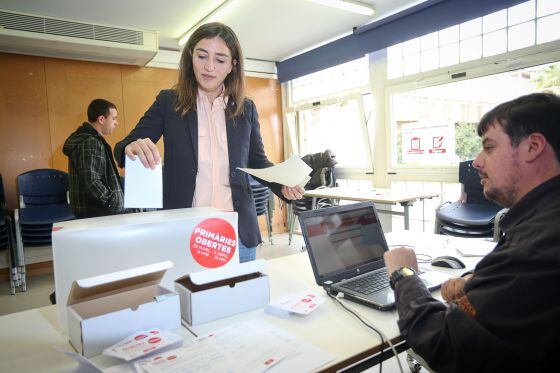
(474, 216)
(261, 195)
(43, 200)
(7, 239)
(306, 203)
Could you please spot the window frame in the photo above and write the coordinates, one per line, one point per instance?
(355, 94)
(531, 56)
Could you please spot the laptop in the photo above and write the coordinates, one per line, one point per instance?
(346, 245)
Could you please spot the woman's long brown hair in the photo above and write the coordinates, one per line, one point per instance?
(187, 86)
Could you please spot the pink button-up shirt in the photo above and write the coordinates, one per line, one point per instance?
(212, 181)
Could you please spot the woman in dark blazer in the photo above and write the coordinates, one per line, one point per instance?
(211, 83)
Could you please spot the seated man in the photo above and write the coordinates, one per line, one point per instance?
(505, 317)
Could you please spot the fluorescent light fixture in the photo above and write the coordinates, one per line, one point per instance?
(349, 5)
(213, 16)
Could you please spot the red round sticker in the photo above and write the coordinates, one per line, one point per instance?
(213, 243)
(154, 340)
(140, 336)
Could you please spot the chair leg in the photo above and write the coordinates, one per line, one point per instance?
(268, 226)
(290, 223)
(20, 257)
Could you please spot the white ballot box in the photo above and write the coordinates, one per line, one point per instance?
(104, 309)
(216, 293)
(192, 239)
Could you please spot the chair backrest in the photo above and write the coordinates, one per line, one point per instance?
(261, 195)
(42, 187)
(468, 176)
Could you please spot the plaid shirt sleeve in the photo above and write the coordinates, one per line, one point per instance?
(91, 169)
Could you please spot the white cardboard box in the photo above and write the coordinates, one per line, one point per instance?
(90, 247)
(105, 309)
(217, 293)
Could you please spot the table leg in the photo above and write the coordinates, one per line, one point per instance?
(406, 216)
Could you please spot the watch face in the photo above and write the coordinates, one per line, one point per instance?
(407, 271)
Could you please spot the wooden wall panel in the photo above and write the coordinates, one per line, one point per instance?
(141, 85)
(44, 100)
(267, 97)
(24, 121)
(71, 86)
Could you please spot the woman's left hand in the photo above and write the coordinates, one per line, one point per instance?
(292, 192)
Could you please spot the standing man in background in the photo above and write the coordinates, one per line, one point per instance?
(95, 184)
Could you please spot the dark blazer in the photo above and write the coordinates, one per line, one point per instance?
(180, 138)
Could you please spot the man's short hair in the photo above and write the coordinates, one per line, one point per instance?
(99, 107)
(537, 112)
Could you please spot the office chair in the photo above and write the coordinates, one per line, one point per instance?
(43, 200)
(476, 217)
(261, 195)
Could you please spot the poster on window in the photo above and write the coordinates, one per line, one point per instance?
(428, 142)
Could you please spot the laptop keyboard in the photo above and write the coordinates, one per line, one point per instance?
(369, 283)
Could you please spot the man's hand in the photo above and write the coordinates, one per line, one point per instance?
(146, 150)
(453, 288)
(292, 192)
(400, 257)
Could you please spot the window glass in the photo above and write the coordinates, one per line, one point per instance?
(521, 36)
(337, 127)
(429, 60)
(494, 43)
(339, 78)
(546, 7)
(548, 28)
(411, 64)
(436, 126)
(521, 13)
(429, 41)
(449, 35)
(449, 55)
(494, 21)
(471, 49)
(470, 29)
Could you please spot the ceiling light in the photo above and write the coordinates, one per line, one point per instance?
(349, 5)
(213, 16)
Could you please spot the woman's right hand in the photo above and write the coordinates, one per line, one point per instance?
(146, 150)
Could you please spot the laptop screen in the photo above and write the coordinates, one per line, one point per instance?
(343, 238)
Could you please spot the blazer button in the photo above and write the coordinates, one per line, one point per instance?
(232, 174)
(193, 171)
(236, 203)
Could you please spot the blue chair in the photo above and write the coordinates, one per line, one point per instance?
(262, 197)
(475, 217)
(43, 200)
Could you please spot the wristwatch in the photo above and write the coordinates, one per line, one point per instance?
(400, 273)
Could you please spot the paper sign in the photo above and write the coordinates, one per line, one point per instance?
(142, 343)
(292, 172)
(142, 186)
(300, 303)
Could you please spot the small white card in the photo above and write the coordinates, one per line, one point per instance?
(142, 343)
(299, 303)
(142, 186)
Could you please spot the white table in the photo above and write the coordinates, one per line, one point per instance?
(384, 196)
(27, 338)
(330, 327)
